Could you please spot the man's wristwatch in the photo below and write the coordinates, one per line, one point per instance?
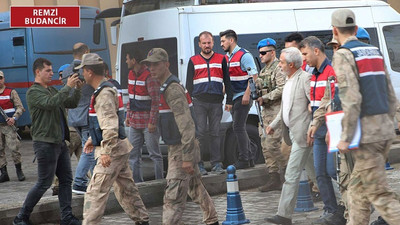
(15, 118)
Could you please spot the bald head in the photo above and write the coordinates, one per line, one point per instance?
(79, 49)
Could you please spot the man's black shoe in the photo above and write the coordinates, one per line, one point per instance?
(279, 220)
(19, 221)
(379, 221)
(216, 223)
(71, 220)
(142, 223)
(241, 164)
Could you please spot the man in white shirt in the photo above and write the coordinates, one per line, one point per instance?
(296, 119)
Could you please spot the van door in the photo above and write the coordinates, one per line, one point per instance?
(389, 34)
(13, 43)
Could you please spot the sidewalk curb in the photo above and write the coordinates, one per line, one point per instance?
(152, 192)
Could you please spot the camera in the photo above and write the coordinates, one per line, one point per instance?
(77, 71)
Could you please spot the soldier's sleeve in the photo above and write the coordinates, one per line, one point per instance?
(176, 99)
(277, 120)
(349, 91)
(19, 108)
(280, 82)
(398, 111)
(319, 114)
(106, 106)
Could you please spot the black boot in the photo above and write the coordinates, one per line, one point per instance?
(4, 175)
(20, 174)
(379, 221)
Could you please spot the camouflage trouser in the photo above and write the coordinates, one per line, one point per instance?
(271, 146)
(368, 185)
(74, 146)
(118, 175)
(344, 179)
(176, 195)
(9, 139)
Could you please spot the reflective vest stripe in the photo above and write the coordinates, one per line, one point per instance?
(319, 83)
(240, 78)
(234, 64)
(9, 110)
(315, 103)
(138, 97)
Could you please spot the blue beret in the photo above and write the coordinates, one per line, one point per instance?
(266, 42)
(62, 68)
(362, 33)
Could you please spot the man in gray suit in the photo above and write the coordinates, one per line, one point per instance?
(296, 119)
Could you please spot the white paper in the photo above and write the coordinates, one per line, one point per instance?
(334, 124)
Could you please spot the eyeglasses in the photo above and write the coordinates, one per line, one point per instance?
(265, 52)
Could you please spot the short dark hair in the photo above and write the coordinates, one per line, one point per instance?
(106, 68)
(205, 33)
(80, 50)
(96, 69)
(229, 34)
(312, 42)
(39, 64)
(295, 36)
(347, 30)
(136, 54)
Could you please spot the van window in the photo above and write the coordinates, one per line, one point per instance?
(169, 44)
(392, 34)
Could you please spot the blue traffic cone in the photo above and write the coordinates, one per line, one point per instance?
(304, 200)
(387, 166)
(234, 212)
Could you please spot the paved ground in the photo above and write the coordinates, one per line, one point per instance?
(256, 205)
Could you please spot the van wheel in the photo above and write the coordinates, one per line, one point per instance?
(231, 146)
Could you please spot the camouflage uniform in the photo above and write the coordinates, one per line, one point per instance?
(118, 174)
(180, 183)
(8, 136)
(368, 180)
(273, 81)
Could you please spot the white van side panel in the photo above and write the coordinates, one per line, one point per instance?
(152, 25)
(311, 19)
(384, 14)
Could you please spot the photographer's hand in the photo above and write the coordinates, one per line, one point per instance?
(79, 84)
(72, 80)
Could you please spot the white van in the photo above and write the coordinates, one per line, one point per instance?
(175, 25)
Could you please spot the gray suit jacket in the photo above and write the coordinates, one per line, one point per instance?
(299, 116)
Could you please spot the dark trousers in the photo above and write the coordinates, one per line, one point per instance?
(239, 116)
(324, 181)
(211, 113)
(52, 159)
